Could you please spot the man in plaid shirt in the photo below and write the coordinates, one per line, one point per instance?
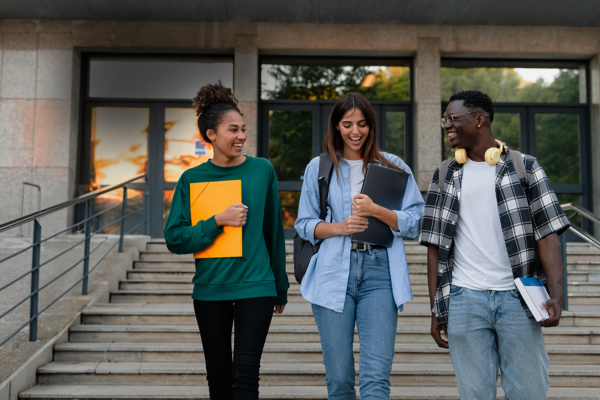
(483, 232)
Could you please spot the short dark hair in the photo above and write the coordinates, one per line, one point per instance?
(476, 99)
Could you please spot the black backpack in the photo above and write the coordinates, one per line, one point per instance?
(303, 249)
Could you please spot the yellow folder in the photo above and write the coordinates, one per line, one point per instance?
(211, 198)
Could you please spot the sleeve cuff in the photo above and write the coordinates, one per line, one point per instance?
(210, 228)
(281, 298)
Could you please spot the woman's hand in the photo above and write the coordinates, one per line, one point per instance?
(235, 215)
(352, 224)
(363, 206)
(278, 309)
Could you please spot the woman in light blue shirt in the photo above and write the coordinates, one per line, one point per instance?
(353, 282)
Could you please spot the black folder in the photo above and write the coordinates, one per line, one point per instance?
(386, 188)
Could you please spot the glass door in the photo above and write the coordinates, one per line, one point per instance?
(291, 138)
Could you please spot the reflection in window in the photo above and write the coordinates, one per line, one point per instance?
(119, 144)
(289, 207)
(527, 85)
(290, 143)
(507, 129)
(321, 82)
(557, 146)
(167, 200)
(184, 147)
(395, 132)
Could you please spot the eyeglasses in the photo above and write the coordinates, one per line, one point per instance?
(451, 118)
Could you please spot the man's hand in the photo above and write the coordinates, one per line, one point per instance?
(436, 333)
(554, 307)
(551, 260)
(235, 215)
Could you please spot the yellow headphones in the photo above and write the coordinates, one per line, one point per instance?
(492, 155)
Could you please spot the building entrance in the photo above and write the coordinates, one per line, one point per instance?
(138, 118)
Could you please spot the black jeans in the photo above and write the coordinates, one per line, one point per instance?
(237, 379)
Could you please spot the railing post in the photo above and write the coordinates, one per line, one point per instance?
(86, 250)
(35, 281)
(563, 252)
(123, 213)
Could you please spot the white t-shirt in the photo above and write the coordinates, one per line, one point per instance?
(480, 257)
(357, 176)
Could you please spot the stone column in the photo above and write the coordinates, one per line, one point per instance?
(427, 100)
(246, 86)
(38, 139)
(595, 133)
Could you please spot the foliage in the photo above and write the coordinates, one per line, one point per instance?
(307, 82)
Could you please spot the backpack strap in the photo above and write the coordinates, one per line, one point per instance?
(442, 176)
(325, 171)
(519, 164)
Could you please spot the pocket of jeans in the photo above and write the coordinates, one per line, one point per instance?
(456, 290)
(381, 257)
(515, 293)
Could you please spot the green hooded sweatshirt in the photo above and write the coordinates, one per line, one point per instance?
(260, 272)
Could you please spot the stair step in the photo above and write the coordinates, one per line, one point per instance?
(294, 296)
(294, 314)
(288, 334)
(276, 374)
(156, 392)
(283, 352)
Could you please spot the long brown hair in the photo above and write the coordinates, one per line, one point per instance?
(334, 144)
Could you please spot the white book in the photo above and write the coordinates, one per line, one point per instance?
(534, 293)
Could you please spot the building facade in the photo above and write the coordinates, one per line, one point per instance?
(70, 88)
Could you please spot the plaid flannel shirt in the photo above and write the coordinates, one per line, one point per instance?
(527, 214)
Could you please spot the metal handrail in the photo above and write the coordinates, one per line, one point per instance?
(586, 214)
(582, 234)
(36, 247)
(88, 196)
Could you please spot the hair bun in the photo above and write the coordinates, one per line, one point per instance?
(214, 94)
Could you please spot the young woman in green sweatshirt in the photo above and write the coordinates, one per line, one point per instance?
(246, 290)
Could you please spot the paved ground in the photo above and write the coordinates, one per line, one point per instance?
(18, 349)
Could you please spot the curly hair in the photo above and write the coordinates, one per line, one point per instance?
(211, 103)
(476, 99)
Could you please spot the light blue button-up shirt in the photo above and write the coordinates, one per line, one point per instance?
(326, 278)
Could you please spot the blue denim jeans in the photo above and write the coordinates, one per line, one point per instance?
(370, 304)
(488, 330)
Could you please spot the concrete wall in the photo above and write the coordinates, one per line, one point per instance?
(40, 78)
(37, 123)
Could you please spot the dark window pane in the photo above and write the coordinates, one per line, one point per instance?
(563, 198)
(320, 82)
(557, 142)
(290, 143)
(289, 207)
(155, 79)
(105, 222)
(507, 128)
(395, 132)
(529, 85)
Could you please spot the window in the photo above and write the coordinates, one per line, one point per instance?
(155, 78)
(541, 108)
(296, 98)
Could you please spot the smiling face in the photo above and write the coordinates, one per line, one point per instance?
(354, 131)
(463, 132)
(228, 140)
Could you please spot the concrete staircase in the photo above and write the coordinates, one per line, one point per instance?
(144, 344)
